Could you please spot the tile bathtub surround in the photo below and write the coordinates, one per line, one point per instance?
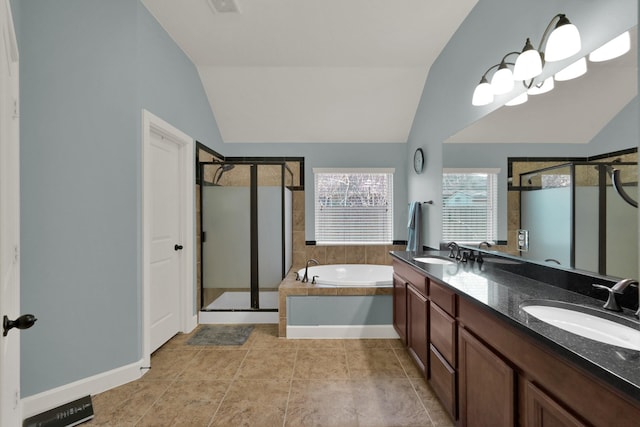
(270, 381)
(291, 286)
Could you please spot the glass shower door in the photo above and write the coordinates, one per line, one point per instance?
(226, 246)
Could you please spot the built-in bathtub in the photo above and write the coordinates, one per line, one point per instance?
(347, 301)
(350, 275)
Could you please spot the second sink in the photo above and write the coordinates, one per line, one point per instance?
(434, 260)
(587, 322)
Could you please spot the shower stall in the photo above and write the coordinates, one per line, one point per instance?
(246, 241)
(577, 215)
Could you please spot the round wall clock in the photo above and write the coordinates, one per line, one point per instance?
(418, 160)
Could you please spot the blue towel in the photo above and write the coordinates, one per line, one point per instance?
(414, 243)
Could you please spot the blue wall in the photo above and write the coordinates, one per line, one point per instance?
(493, 28)
(340, 310)
(87, 69)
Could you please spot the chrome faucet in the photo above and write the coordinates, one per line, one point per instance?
(617, 289)
(305, 278)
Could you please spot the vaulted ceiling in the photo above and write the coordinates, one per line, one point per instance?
(312, 70)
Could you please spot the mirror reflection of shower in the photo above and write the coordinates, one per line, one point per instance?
(560, 204)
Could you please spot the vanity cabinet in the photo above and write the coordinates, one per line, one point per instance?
(417, 320)
(443, 345)
(550, 390)
(487, 387)
(540, 410)
(400, 307)
(411, 312)
(486, 372)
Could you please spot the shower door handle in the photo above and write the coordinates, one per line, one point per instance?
(177, 247)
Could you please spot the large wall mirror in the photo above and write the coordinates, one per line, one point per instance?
(555, 155)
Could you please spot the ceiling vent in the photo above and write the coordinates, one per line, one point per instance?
(224, 6)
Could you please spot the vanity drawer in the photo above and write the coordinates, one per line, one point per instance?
(411, 275)
(444, 297)
(443, 381)
(443, 333)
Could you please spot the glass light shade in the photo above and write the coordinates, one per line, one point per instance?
(563, 42)
(546, 86)
(483, 94)
(520, 99)
(612, 49)
(573, 71)
(502, 81)
(528, 65)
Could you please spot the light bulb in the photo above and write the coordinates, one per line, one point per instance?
(502, 80)
(612, 49)
(483, 94)
(574, 70)
(563, 42)
(528, 64)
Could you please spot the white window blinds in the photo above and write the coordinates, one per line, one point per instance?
(470, 205)
(353, 207)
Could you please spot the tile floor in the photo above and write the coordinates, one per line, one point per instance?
(269, 381)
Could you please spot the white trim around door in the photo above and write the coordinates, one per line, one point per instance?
(152, 123)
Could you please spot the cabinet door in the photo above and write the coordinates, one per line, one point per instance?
(400, 307)
(417, 310)
(442, 333)
(540, 410)
(487, 386)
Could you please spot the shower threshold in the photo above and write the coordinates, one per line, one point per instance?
(234, 307)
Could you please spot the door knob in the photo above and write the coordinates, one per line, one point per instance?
(177, 247)
(23, 322)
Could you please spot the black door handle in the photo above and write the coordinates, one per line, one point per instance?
(23, 322)
(177, 247)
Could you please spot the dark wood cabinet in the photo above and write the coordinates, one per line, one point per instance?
(417, 319)
(443, 333)
(488, 373)
(486, 385)
(540, 410)
(400, 307)
(443, 380)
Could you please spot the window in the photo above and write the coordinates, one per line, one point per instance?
(354, 206)
(470, 204)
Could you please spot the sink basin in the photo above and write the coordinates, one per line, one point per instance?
(434, 260)
(587, 322)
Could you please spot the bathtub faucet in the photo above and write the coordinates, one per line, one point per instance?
(305, 278)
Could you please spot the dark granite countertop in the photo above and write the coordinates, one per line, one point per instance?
(501, 292)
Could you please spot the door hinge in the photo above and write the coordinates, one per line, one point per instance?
(15, 109)
(203, 237)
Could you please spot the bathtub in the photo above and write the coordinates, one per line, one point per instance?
(350, 275)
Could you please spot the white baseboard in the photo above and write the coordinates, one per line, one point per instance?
(213, 317)
(191, 324)
(342, 331)
(99, 383)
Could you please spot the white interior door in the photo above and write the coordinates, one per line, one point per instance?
(166, 240)
(10, 409)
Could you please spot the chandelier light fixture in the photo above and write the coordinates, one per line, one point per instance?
(560, 41)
